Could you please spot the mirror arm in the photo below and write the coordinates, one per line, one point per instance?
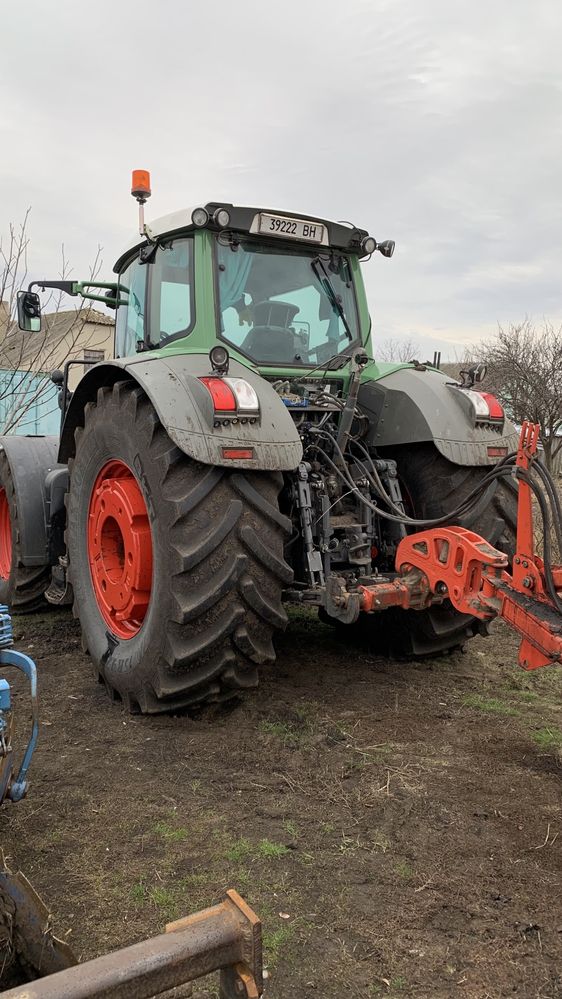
(81, 288)
(70, 287)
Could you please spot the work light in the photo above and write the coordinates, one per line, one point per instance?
(199, 217)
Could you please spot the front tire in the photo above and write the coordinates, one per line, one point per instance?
(194, 625)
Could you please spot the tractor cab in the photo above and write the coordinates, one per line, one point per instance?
(279, 290)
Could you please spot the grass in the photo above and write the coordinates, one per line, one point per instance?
(404, 869)
(527, 696)
(266, 849)
(298, 728)
(283, 730)
(138, 892)
(173, 834)
(491, 705)
(380, 841)
(291, 828)
(548, 738)
(164, 898)
(274, 941)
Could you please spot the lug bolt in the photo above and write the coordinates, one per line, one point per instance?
(528, 583)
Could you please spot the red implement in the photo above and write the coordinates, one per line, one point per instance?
(456, 564)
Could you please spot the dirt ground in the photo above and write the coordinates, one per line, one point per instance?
(398, 827)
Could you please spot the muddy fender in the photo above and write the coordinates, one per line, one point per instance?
(185, 409)
(414, 406)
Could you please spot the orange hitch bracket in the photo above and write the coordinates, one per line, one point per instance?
(456, 564)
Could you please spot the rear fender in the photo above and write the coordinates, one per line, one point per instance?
(410, 406)
(31, 459)
(185, 409)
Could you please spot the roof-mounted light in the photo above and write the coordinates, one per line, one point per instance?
(221, 218)
(200, 217)
(386, 247)
(368, 244)
(140, 186)
(140, 189)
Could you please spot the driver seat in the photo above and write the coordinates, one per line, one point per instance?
(272, 337)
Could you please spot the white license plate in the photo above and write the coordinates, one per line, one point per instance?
(277, 225)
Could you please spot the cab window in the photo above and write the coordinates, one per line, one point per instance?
(129, 324)
(171, 289)
(285, 306)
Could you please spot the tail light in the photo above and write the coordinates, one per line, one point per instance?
(233, 396)
(495, 407)
(487, 409)
(222, 395)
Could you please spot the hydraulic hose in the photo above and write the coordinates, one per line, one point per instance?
(544, 491)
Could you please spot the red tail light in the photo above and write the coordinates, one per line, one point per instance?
(495, 408)
(222, 395)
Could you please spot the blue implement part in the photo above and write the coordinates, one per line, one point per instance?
(5, 699)
(9, 657)
(6, 635)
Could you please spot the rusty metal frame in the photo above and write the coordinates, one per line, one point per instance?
(225, 937)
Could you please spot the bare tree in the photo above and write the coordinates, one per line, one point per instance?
(525, 370)
(26, 359)
(399, 351)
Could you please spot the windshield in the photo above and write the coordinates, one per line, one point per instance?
(285, 307)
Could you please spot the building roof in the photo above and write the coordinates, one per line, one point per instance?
(63, 334)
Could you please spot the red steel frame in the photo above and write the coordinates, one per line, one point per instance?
(456, 564)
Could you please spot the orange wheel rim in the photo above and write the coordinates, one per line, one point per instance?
(120, 549)
(5, 536)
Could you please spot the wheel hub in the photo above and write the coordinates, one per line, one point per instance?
(119, 549)
(5, 536)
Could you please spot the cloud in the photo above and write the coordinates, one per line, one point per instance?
(436, 124)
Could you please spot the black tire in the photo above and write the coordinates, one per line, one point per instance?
(218, 567)
(21, 588)
(431, 486)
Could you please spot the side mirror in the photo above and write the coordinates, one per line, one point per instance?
(471, 376)
(29, 311)
(479, 372)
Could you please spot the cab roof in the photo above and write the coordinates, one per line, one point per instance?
(341, 236)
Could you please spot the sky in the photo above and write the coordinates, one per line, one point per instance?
(437, 123)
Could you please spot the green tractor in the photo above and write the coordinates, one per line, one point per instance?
(245, 449)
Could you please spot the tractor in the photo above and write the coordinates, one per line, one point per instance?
(244, 449)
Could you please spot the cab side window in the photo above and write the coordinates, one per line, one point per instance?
(129, 325)
(171, 286)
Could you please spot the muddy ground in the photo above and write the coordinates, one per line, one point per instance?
(406, 819)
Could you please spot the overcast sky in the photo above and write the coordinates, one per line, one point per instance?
(437, 123)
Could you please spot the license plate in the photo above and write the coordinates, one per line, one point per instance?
(277, 225)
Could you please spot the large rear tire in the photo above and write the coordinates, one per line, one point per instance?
(431, 487)
(21, 588)
(177, 568)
